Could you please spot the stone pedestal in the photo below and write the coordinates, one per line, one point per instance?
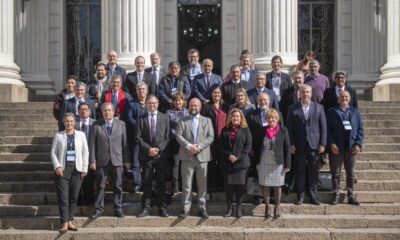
(129, 28)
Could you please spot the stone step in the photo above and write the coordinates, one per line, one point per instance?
(23, 111)
(389, 116)
(43, 125)
(378, 110)
(381, 131)
(25, 148)
(382, 139)
(27, 140)
(214, 208)
(30, 132)
(381, 123)
(26, 117)
(368, 104)
(386, 147)
(25, 166)
(27, 105)
(205, 233)
(25, 176)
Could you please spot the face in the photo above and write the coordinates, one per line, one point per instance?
(236, 118)
(305, 95)
(260, 82)
(193, 58)
(141, 92)
(216, 95)
(152, 104)
(207, 66)
(298, 80)
(340, 80)
(245, 62)
(276, 64)
(69, 123)
(235, 74)
(80, 92)
(240, 98)
(112, 57)
(194, 107)
(108, 113)
(101, 71)
(116, 84)
(155, 60)
(314, 69)
(174, 71)
(84, 111)
(71, 85)
(178, 103)
(139, 64)
(272, 121)
(344, 99)
(263, 102)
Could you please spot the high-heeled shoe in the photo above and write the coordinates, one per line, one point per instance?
(64, 228)
(239, 211)
(277, 213)
(267, 213)
(229, 211)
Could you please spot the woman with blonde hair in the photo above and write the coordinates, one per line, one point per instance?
(303, 64)
(243, 102)
(235, 147)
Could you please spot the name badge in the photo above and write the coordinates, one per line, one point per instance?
(174, 90)
(265, 124)
(346, 125)
(70, 156)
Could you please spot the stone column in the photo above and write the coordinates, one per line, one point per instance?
(12, 89)
(270, 28)
(129, 28)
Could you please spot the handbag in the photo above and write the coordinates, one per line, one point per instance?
(253, 187)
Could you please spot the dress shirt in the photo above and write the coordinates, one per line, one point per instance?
(276, 84)
(156, 72)
(149, 117)
(306, 110)
(140, 76)
(194, 70)
(245, 75)
(78, 101)
(338, 90)
(195, 130)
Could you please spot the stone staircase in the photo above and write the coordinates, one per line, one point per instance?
(28, 203)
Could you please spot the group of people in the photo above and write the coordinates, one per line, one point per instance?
(187, 121)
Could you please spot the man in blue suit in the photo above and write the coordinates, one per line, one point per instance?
(260, 88)
(307, 128)
(205, 81)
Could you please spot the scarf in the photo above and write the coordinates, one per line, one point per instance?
(272, 132)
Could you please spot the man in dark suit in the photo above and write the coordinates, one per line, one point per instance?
(152, 136)
(260, 88)
(193, 68)
(113, 68)
(108, 152)
(307, 128)
(140, 75)
(229, 88)
(205, 81)
(331, 94)
(277, 80)
(71, 105)
(247, 73)
(156, 70)
(85, 124)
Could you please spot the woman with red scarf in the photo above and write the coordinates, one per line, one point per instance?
(274, 160)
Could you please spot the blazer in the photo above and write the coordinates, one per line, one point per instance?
(205, 137)
(273, 99)
(201, 90)
(78, 127)
(336, 128)
(208, 110)
(301, 130)
(252, 79)
(132, 80)
(123, 100)
(104, 148)
(289, 98)
(228, 90)
(120, 71)
(160, 76)
(143, 136)
(286, 81)
(59, 151)
(240, 149)
(165, 90)
(331, 100)
(281, 148)
(70, 106)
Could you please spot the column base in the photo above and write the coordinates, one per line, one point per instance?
(386, 93)
(13, 93)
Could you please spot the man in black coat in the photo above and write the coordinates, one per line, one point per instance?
(229, 88)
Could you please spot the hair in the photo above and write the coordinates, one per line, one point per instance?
(272, 113)
(263, 95)
(74, 77)
(142, 84)
(79, 85)
(138, 57)
(179, 95)
(154, 53)
(338, 73)
(212, 89)
(83, 104)
(309, 53)
(345, 92)
(100, 64)
(276, 57)
(106, 104)
(314, 62)
(69, 114)
(208, 59)
(234, 66)
(298, 72)
(243, 123)
(150, 97)
(193, 50)
(115, 76)
(260, 75)
(246, 97)
(174, 63)
(111, 51)
(305, 86)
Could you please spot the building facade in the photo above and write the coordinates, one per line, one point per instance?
(42, 41)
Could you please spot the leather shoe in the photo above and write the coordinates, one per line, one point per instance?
(239, 212)
(119, 214)
(229, 212)
(97, 214)
(73, 229)
(203, 213)
(258, 200)
(163, 212)
(62, 230)
(299, 201)
(184, 214)
(335, 200)
(353, 201)
(145, 213)
(315, 202)
(138, 188)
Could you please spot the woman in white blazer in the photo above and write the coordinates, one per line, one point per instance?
(70, 157)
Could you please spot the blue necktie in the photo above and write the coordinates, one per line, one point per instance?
(109, 128)
(115, 100)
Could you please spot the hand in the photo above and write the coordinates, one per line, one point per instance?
(321, 149)
(194, 150)
(292, 149)
(82, 175)
(206, 101)
(153, 152)
(356, 149)
(127, 165)
(251, 154)
(92, 166)
(232, 158)
(334, 149)
(59, 171)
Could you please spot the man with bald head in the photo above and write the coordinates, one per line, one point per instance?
(112, 66)
(194, 134)
(205, 81)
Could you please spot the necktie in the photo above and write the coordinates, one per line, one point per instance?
(155, 73)
(153, 129)
(305, 109)
(115, 100)
(139, 77)
(195, 127)
(207, 81)
(84, 128)
(109, 129)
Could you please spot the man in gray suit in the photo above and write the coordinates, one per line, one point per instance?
(108, 152)
(307, 128)
(194, 135)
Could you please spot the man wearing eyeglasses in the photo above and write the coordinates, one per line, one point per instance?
(116, 96)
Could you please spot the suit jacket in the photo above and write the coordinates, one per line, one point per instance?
(105, 148)
(70, 106)
(120, 71)
(312, 130)
(90, 127)
(273, 103)
(252, 79)
(134, 111)
(331, 100)
(336, 128)
(59, 151)
(241, 148)
(123, 100)
(205, 138)
(162, 74)
(289, 98)
(165, 90)
(132, 80)
(286, 81)
(281, 148)
(228, 90)
(143, 136)
(201, 90)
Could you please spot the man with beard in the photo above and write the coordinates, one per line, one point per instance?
(194, 135)
(100, 84)
(193, 68)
